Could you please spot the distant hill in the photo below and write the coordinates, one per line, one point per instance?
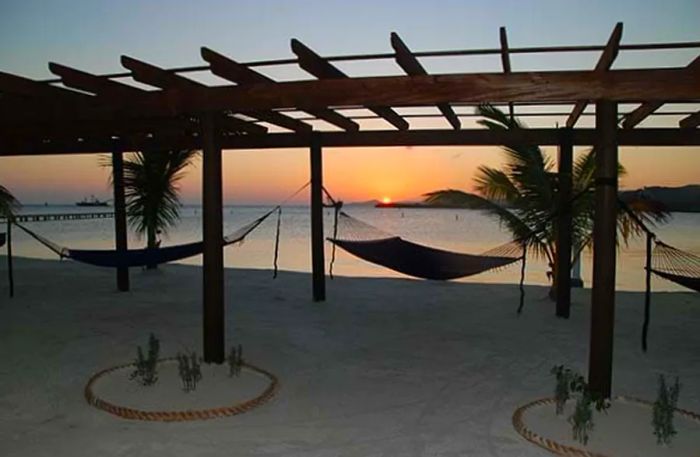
(684, 199)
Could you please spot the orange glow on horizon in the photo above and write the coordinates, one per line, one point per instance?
(386, 200)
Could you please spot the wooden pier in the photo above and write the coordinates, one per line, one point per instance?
(62, 216)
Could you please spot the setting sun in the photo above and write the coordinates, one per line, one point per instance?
(386, 200)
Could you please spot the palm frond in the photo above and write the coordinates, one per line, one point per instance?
(9, 205)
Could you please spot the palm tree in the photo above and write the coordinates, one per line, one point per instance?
(151, 191)
(8, 203)
(523, 195)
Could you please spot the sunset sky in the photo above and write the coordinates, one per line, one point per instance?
(91, 35)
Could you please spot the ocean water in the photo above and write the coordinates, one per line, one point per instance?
(459, 230)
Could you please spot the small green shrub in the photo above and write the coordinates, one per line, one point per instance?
(570, 384)
(662, 412)
(146, 372)
(235, 361)
(189, 370)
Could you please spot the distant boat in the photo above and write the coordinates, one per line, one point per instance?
(92, 201)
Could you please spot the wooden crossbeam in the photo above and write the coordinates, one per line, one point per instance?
(406, 60)
(13, 146)
(155, 76)
(18, 85)
(647, 108)
(612, 49)
(88, 82)
(322, 69)
(505, 62)
(622, 86)
(690, 122)
(228, 68)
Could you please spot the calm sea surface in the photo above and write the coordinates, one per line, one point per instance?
(458, 230)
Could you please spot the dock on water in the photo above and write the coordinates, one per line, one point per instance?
(62, 216)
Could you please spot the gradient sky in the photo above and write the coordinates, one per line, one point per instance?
(92, 34)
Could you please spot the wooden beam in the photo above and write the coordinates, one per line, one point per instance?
(88, 82)
(213, 238)
(645, 109)
(622, 86)
(562, 273)
(604, 251)
(406, 60)
(690, 122)
(505, 62)
(11, 146)
(322, 69)
(158, 77)
(228, 68)
(317, 260)
(612, 48)
(18, 85)
(120, 232)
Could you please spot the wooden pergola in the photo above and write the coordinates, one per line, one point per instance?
(81, 112)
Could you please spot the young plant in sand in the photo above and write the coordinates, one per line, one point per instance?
(664, 407)
(146, 372)
(523, 195)
(151, 191)
(235, 361)
(189, 370)
(570, 384)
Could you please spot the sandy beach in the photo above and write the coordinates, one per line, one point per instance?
(384, 367)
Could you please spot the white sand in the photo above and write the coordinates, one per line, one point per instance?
(385, 367)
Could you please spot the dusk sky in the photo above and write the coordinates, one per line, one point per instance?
(92, 35)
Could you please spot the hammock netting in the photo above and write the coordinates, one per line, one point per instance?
(376, 246)
(141, 257)
(675, 265)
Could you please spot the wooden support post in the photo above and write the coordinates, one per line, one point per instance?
(562, 274)
(212, 229)
(10, 274)
(317, 261)
(604, 251)
(121, 242)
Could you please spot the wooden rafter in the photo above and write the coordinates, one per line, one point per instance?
(18, 85)
(155, 76)
(647, 108)
(228, 68)
(690, 122)
(505, 62)
(612, 48)
(322, 69)
(408, 62)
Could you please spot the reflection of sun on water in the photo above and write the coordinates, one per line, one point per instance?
(386, 200)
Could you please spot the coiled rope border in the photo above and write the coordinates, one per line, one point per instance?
(570, 451)
(179, 416)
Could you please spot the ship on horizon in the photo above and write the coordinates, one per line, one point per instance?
(92, 201)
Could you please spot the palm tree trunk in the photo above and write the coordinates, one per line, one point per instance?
(151, 243)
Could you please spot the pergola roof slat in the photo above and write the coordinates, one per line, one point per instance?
(228, 68)
(647, 108)
(88, 82)
(406, 60)
(150, 74)
(690, 122)
(18, 85)
(612, 49)
(505, 62)
(322, 69)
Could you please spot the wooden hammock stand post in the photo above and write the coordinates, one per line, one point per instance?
(121, 240)
(88, 111)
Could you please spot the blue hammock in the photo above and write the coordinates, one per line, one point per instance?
(142, 257)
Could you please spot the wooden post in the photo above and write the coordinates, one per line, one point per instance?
(212, 229)
(604, 250)
(121, 242)
(10, 274)
(317, 261)
(563, 224)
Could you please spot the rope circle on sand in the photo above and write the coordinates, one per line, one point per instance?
(185, 415)
(562, 449)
